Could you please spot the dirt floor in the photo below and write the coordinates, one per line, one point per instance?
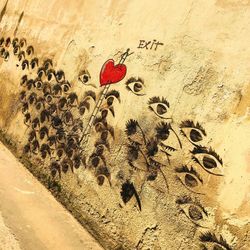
(30, 217)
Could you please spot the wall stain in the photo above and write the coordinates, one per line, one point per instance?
(3, 11)
(18, 23)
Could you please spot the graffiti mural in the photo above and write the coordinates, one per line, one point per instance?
(60, 124)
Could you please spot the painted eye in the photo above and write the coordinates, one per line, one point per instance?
(34, 63)
(212, 242)
(24, 79)
(1, 41)
(66, 165)
(7, 42)
(15, 42)
(40, 72)
(21, 56)
(6, 56)
(38, 106)
(16, 50)
(194, 211)
(95, 160)
(84, 76)
(136, 85)
(60, 76)
(190, 179)
(159, 106)
(50, 74)
(32, 98)
(38, 84)
(55, 168)
(195, 133)
(65, 88)
(25, 64)
(102, 173)
(111, 96)
(2, 52)
(22, 96)
(23, 42)
(208, 160)
(47, 64)
(30, 50)
(49, 98)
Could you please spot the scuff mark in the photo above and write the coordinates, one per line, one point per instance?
(18, 23)
(23, 191)
(3, 11)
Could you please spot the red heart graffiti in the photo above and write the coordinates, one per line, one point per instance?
(111, 73)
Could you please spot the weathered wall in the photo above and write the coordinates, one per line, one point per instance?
(170, 168)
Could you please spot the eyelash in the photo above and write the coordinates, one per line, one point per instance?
(191, 124)
(211, 237)
(210, 151)
(157, 99)
(208, 160)
(114, 93)
(185, 169)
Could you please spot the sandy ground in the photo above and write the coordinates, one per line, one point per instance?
(30, 217)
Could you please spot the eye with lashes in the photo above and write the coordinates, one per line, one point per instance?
(47, 64)
(22, 42)
(16, 50)
(7, 42)
(14, 42)
(136, 85)
(65, 86)
(51, 74)
(159, 106)
(195, 133)
(2, 52)
(111, 96)
(41, 72)
(60, 76)
(34, 63)
(208, 159)
(90, 95)
(67, 164)
(194, 211)
(84, 76)
(102, 173)
(30, 50)
(40, 103)
(212, 242)
(32, 98)
(21, 55)
(1, 41)
(55, 168)
(22, 96)
(25, 64)
(24, 79)
(30, 84)
(95, 160)
(6, 56)
(38, 84)
(190, 179)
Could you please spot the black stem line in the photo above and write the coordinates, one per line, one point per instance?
(177, 138)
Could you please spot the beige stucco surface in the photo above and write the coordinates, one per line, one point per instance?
(30, 217)
(203, 72)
